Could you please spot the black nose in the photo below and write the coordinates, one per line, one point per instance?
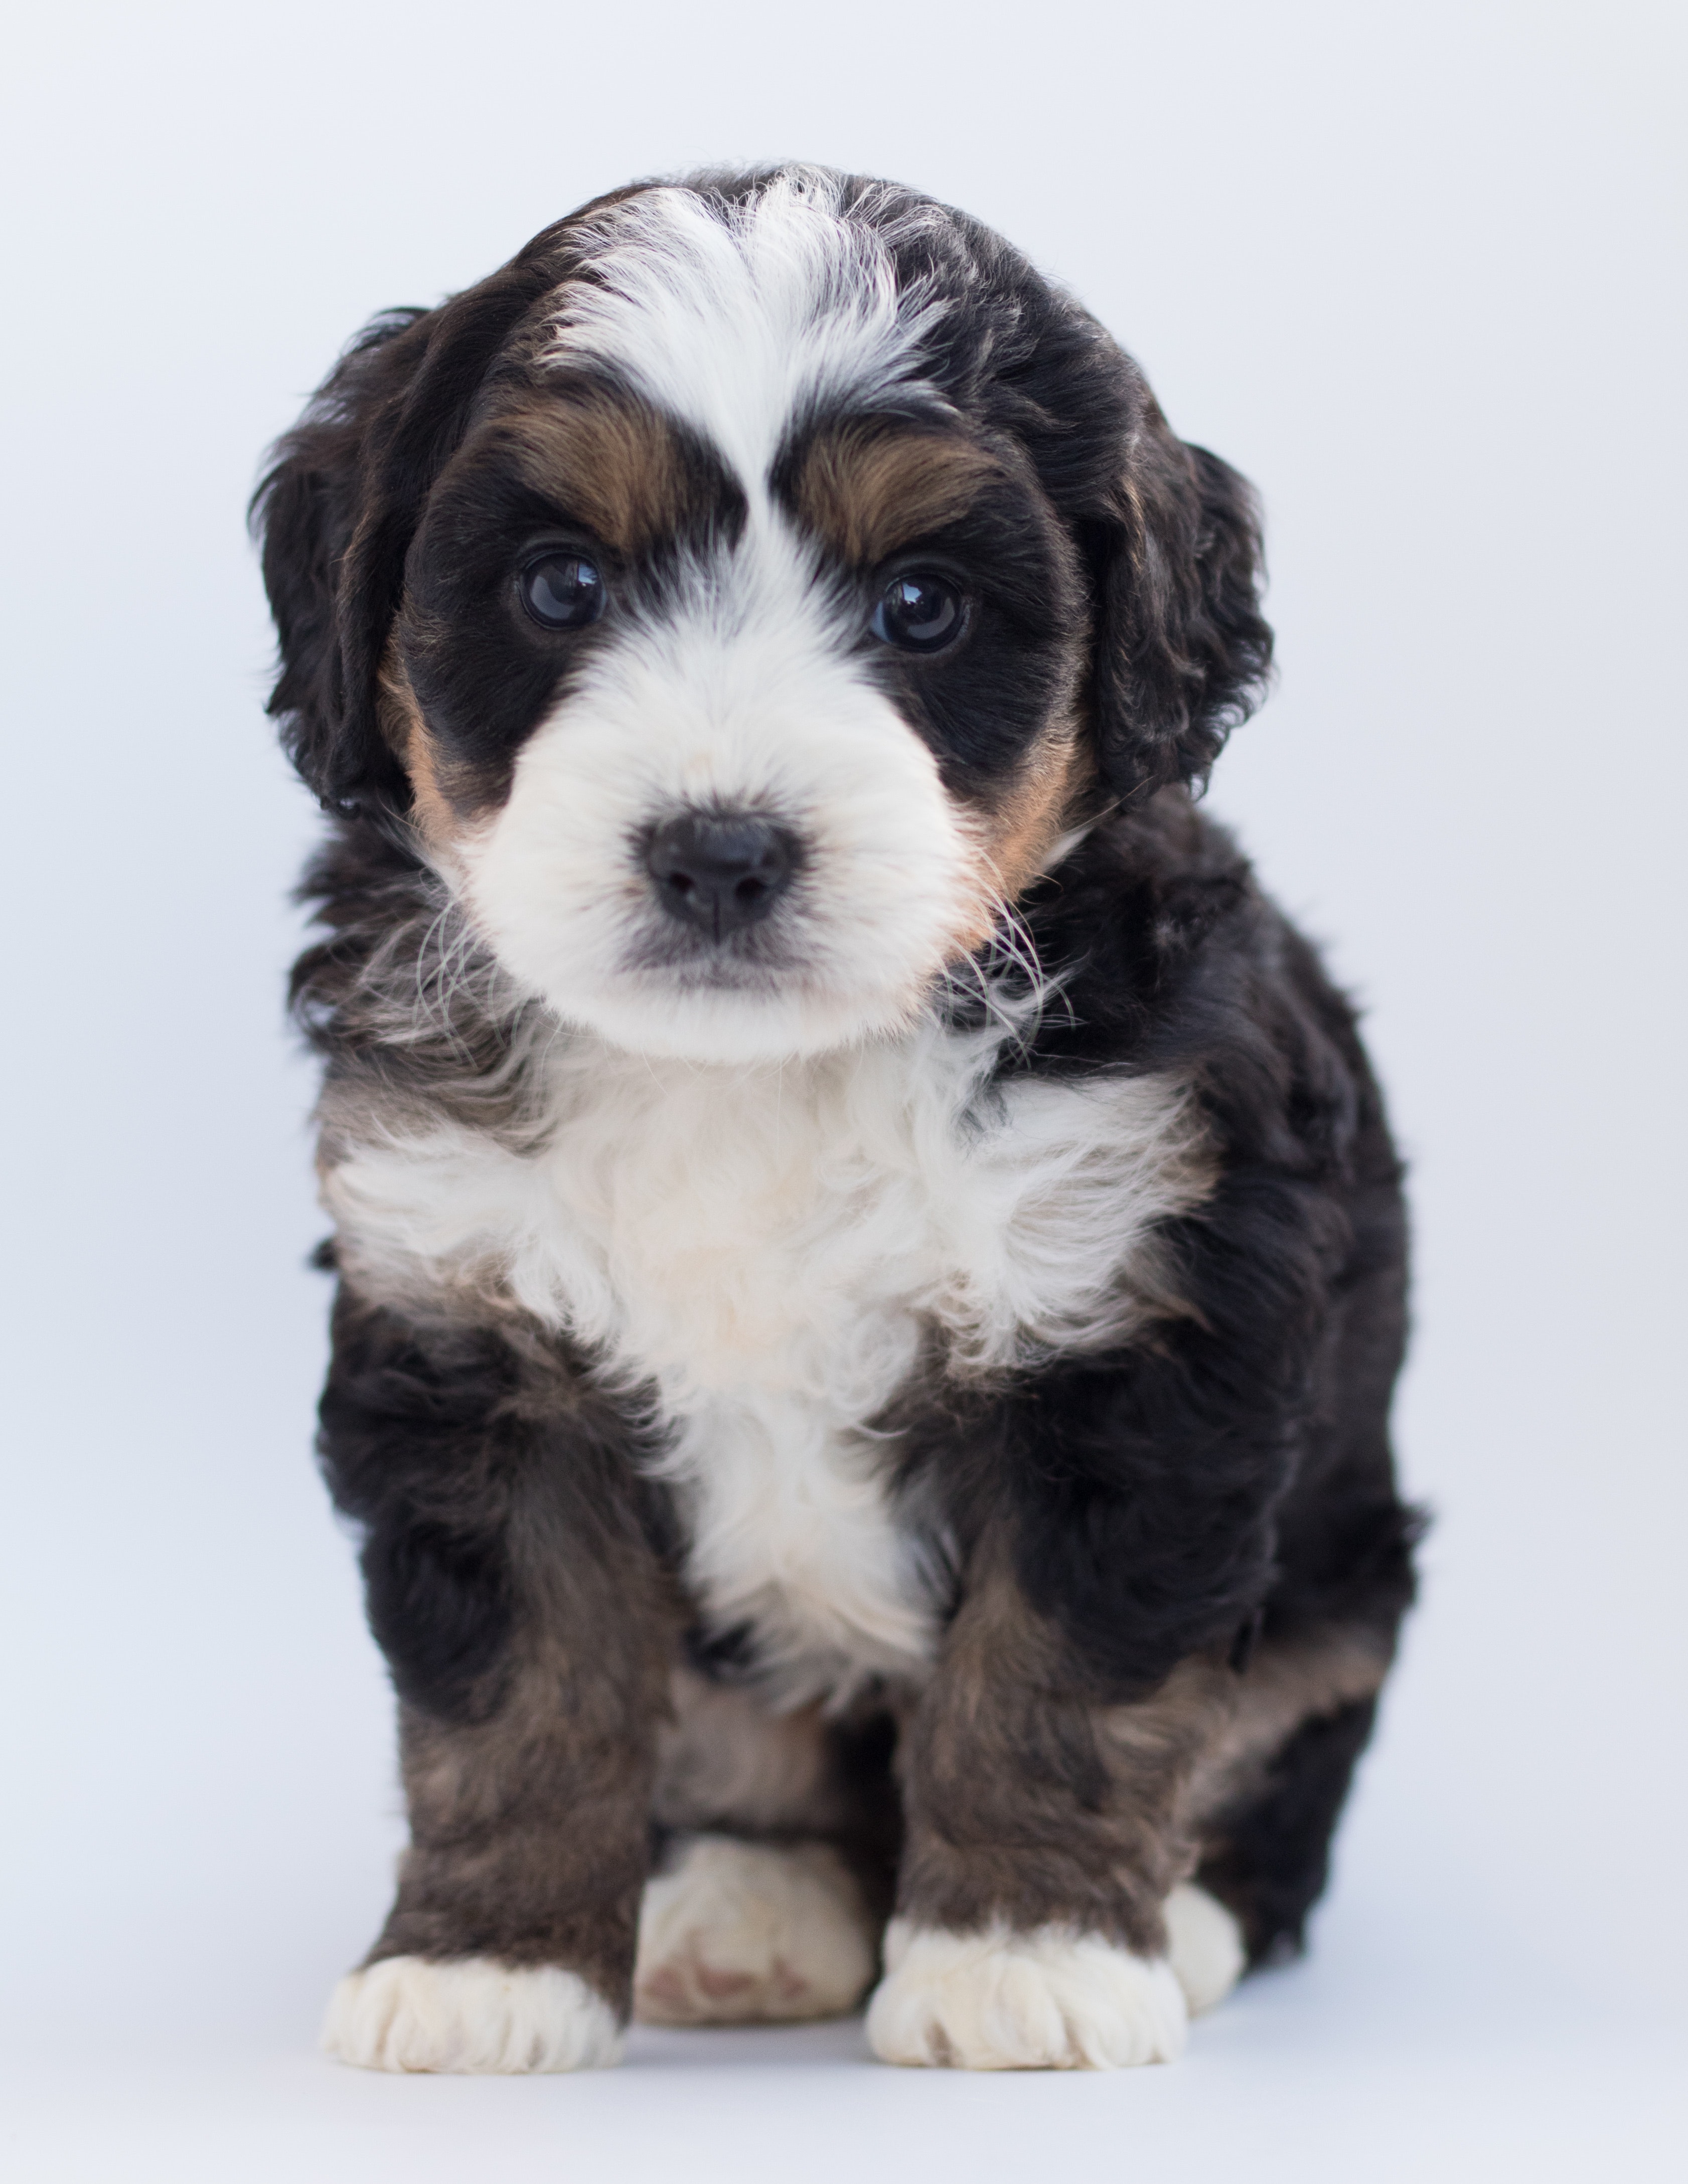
(720, 871)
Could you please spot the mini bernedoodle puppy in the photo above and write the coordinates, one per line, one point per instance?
(870, 1261)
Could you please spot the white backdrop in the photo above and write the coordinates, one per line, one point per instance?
(1413, 269)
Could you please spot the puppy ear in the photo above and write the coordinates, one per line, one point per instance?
(1181, 651)
(305, 513)
(341, 502)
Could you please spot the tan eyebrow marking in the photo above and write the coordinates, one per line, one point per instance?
(866, 490)
(616, 466)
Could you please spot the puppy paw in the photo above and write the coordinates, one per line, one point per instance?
(742, 1932)
(405, 2014)
(1203, 1947)
(1050, 2000)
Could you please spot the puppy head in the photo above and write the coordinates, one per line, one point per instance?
(742, 592)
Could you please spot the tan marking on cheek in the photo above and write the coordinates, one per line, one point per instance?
(867, 492)
(1013, 837)
(432, 812)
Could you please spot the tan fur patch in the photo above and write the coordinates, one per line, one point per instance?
(432, 811)
(1014, 838)
(614, 467)
(867, 492)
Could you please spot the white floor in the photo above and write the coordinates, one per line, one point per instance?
(1406, 2049)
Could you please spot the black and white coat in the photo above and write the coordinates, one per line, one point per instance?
(870, 1261)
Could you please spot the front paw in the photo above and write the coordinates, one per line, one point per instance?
(477, 2015)
(1049, 2000)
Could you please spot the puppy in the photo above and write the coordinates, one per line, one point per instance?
(870, 1260)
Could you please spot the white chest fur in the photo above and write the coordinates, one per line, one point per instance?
(765, 1248)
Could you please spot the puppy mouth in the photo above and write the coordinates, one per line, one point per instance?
(747, 963)
(724, 971)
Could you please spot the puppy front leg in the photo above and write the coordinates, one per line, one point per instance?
(524, 1619)
(510, 1945)
(1044, 1842)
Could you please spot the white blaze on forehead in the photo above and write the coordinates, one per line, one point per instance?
(737, 319)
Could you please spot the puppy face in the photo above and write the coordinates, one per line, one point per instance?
(744, 611)
(736, 670)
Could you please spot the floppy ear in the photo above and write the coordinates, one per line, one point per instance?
(305, 513)
(341, 503)
(1181, 651)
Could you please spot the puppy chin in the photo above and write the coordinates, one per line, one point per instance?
(735, 1026)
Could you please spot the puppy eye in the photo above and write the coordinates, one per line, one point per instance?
(562, 591)
(918, 613)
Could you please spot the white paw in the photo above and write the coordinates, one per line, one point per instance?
(1204, 1946)
(1051, 2000)
(742, 1932)
(405, 2014)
